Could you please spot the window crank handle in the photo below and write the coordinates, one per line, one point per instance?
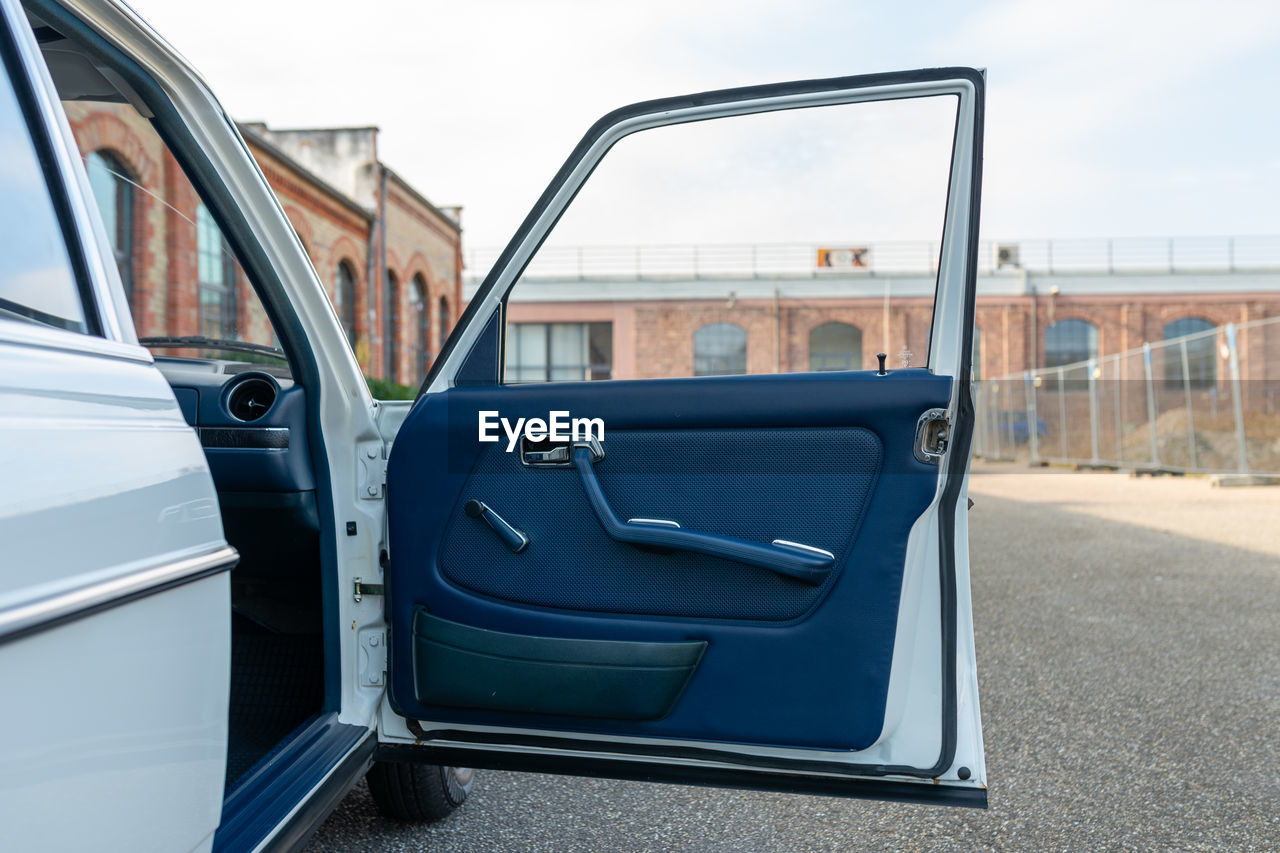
(514, 539)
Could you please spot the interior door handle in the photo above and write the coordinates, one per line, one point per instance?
(792, 559)
(543, 454)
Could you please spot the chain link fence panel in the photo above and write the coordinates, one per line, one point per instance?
(1207, 402)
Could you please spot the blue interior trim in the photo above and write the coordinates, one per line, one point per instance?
(730, 482)
(812, 567)
(818, 679)
(465, 667)
(259, 803)
(483, 364)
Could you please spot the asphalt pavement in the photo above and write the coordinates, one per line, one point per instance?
(1128, 636)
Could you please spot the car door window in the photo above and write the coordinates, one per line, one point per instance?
(790, 241)
(38, 283)
(181, 278)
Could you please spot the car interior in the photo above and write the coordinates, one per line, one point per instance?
(251, 420)
(250, 415)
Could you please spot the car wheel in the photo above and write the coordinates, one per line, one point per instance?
(418, 792)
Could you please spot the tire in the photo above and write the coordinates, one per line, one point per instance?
(420, 793)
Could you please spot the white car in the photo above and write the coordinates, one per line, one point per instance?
(755, 580)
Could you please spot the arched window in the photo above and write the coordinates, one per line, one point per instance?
(420, 303)
(390, 320)
(446, 322)
(719, 349)
(835, 346)
(1202, 354)
(1069, 341)
(344, 299)
(216, 274)
(113, 191)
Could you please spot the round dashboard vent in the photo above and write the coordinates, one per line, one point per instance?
(251, 398)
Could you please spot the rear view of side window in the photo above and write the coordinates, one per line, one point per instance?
(37, 282)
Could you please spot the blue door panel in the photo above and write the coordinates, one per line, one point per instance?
(802, 485)
(824, 459)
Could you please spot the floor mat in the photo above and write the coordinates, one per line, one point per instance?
(277, 683)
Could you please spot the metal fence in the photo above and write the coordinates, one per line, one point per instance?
(1203, 403)
(764, 260)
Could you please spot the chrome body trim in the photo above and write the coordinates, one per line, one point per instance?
(76, 602)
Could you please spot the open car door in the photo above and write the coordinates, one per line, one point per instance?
(748, 580)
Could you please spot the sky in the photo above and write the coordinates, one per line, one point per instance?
(1105, 118)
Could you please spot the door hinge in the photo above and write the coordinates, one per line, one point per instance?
(373, 657)
(361, 589)
(371, 464)
(933, 432)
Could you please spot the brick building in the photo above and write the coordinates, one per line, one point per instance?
(390, 259)
(1166, 406)
(791, 318)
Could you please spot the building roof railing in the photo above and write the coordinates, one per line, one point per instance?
(1137, 255)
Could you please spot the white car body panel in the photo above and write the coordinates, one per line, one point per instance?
(122, 744)
(123, 720)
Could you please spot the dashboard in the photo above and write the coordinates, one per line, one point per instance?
(251, 419)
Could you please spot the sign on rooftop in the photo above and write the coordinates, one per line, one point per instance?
(845, 258)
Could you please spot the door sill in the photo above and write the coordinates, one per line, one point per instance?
(278, 803)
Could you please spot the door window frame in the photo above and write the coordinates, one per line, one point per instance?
(949, 350)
